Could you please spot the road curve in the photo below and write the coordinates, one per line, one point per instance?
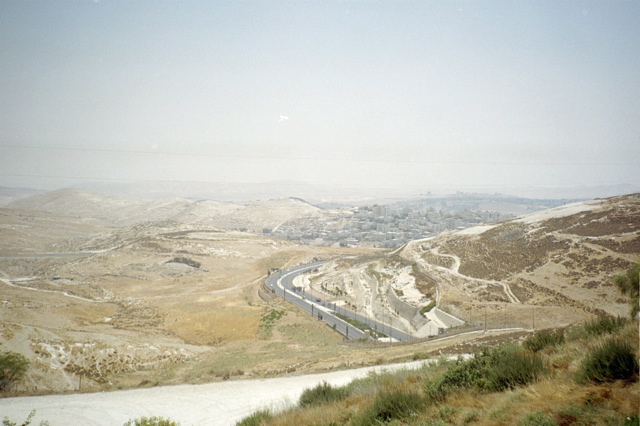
(281, 283)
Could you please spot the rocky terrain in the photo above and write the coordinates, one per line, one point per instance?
(560, 261)
(97, 297)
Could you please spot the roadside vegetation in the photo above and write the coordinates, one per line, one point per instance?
(268, 320)
(8, 422)
(13, 367)
(543, 339)
(628, 283)
(586, 374)
(362, 326)
(604, 325)
(152, 421)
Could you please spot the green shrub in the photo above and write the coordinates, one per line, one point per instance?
(322, 394)
(614, 359)
(428, 307)
(256, 419)
(470, 417)
(629, 285)
(375, 382)
(13, 366)
(272, 316)
(447, 414)
(604, 325)
(542, 339)
(420, 355)
(492, 370)
(632, 420)
(27, 422)
(151, 421)
(388, 406)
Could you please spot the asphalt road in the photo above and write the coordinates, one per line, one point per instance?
(282, 283)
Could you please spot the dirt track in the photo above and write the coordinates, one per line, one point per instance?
(222, 403)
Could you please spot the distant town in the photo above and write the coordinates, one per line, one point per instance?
(388, 226)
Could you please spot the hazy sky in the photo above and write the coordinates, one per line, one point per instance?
(367, 93)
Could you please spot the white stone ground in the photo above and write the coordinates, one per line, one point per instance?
(562, 211)
(221, 403)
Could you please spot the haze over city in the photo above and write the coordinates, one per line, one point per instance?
(419, 95)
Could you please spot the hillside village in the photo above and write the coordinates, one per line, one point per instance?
(394, 224)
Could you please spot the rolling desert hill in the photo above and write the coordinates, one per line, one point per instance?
(28, 231)
(141, 303)
(114, 211)
(100, 292)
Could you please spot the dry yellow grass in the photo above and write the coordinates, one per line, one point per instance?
(203, 325)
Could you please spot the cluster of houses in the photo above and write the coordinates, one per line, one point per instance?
(378, 226)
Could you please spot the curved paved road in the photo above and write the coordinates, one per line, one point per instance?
(282, 283)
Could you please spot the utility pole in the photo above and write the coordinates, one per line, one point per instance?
(533, 318)
(505, 317)
(485, 318)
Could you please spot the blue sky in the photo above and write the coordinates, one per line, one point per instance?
(424, 94)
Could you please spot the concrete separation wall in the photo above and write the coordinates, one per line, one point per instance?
(410, 313)
(403, 309)
(447, 319)
(428, 328)
(359, 289)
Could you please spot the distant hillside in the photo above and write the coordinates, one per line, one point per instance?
(8, 195)
(562, 257)
(253, 216)
(504, 204)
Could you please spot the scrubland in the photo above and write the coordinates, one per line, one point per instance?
(584, 375)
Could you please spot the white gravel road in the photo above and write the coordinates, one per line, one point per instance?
(222, 403)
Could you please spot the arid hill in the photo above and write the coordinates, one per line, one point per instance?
(100, 291)
(114, 211)
(561, 260)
